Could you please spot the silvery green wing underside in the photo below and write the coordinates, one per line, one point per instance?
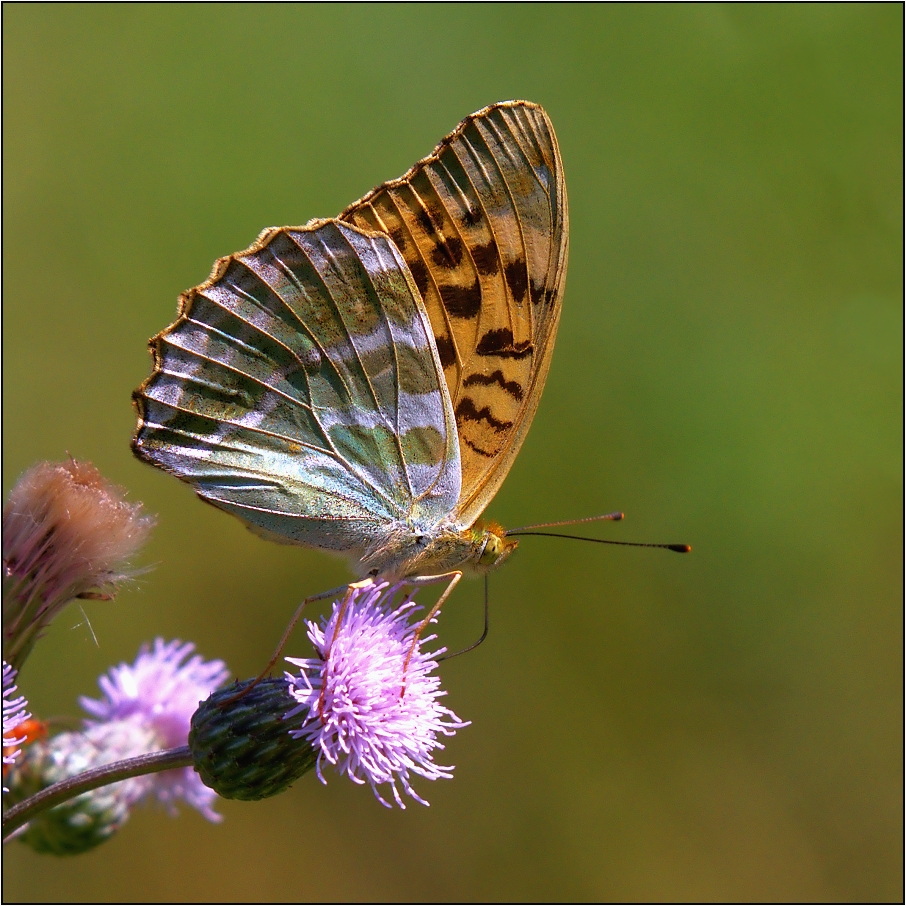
(300, 390)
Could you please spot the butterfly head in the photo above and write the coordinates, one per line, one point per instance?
(492, 547)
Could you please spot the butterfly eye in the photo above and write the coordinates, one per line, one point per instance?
(421, 540)
(491, 550)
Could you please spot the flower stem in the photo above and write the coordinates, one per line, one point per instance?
(151, 763)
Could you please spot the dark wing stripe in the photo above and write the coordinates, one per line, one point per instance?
(303, 302)
(266, 356)
(230, 442)
(254, 479)
(389, 398)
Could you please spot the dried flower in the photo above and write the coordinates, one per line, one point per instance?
(160, 692)
(67, 533)
(14, 714)
(357, 714)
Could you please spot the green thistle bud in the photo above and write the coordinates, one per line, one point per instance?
(243, 749)
(81, 823)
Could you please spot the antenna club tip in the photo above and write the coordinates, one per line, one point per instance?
(680, 548)
(617, 517)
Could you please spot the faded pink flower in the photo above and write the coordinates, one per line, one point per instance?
(67, 533)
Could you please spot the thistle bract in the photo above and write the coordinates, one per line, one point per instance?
(241, 744)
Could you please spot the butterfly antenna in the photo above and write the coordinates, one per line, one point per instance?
(679, 548)
(612, 517)
(484, 635)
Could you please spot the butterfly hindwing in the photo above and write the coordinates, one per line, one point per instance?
(299, 389)
(482, 224)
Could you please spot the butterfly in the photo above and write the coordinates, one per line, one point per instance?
(362, 384)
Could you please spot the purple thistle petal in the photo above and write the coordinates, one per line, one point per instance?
(161, 691)
(353, 692)
(14, 714)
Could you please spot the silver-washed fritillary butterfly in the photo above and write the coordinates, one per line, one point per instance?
(363, 384)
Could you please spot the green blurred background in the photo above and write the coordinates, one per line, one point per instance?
(723, 726)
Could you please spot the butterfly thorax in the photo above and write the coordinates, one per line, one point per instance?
(411, 549)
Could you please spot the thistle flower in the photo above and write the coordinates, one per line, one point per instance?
(14, 714)
(67, 533)
(85, 821)
(160, 692)
(358, 716)
(146, 707)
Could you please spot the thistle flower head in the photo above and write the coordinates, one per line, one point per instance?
(14, 714)
(369, 713)
(83, 822)
(160, 692)
(67, 532)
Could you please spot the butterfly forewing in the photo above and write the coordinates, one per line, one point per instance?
(299, 390)
(482, 224)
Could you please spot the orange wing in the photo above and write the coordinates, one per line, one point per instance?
(482, 223)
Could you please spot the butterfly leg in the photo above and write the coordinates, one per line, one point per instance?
(285, 637)
(454, 578)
